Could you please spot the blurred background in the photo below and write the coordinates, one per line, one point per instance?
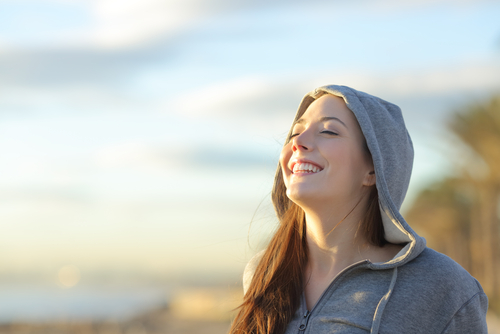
(139, 140)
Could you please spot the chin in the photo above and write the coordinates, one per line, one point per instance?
(299, 196)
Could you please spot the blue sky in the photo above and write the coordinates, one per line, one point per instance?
(144, 134)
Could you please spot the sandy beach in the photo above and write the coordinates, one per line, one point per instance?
(155, 322)
(191, 311)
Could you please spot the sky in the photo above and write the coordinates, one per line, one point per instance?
(142, 136)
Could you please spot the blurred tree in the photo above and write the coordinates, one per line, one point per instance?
(460, 216)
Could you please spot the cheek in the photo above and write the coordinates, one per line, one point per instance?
(358, 166)
(286, 154)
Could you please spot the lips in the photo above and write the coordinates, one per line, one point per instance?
(304, 166)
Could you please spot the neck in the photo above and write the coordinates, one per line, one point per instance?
(333, 239)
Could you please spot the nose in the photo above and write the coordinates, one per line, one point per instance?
(299, 145)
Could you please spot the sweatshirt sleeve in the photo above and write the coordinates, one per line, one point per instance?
(250, 270)
(471, 317)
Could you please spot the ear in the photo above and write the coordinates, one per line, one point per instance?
(370, 179)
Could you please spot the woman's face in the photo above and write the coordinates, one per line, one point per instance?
(325, 160)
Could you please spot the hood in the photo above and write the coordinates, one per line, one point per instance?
(391, 148)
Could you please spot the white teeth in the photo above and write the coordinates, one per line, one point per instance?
(305, 168)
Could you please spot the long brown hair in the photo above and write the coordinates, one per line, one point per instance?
(277, 284)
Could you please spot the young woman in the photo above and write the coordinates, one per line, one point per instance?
(343, 259)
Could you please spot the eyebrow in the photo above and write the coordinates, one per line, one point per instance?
(323, 119)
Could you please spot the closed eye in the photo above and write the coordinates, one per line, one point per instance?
(294, 134)
(330, 133)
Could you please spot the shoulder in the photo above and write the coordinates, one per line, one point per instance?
(250, 270)
(433, 291)
(440, 270)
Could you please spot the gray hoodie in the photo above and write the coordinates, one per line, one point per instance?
(419, 290)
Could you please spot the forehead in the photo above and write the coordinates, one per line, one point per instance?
(329, 106)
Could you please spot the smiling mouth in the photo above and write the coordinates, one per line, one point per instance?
(305, 168)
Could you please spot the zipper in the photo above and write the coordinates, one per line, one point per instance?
(307, 314)
(305, 320)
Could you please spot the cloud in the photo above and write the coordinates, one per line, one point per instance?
(107, 24)
(274, 94)
(223, 96)
(73, 66)
(230, 158)
(412, 3)
(119, 24)
(133, 154)
(100, 77)
(165, 159)
(469, 76)
(122, 23)
(19, 102)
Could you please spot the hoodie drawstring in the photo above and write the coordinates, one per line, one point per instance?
(377, 317)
